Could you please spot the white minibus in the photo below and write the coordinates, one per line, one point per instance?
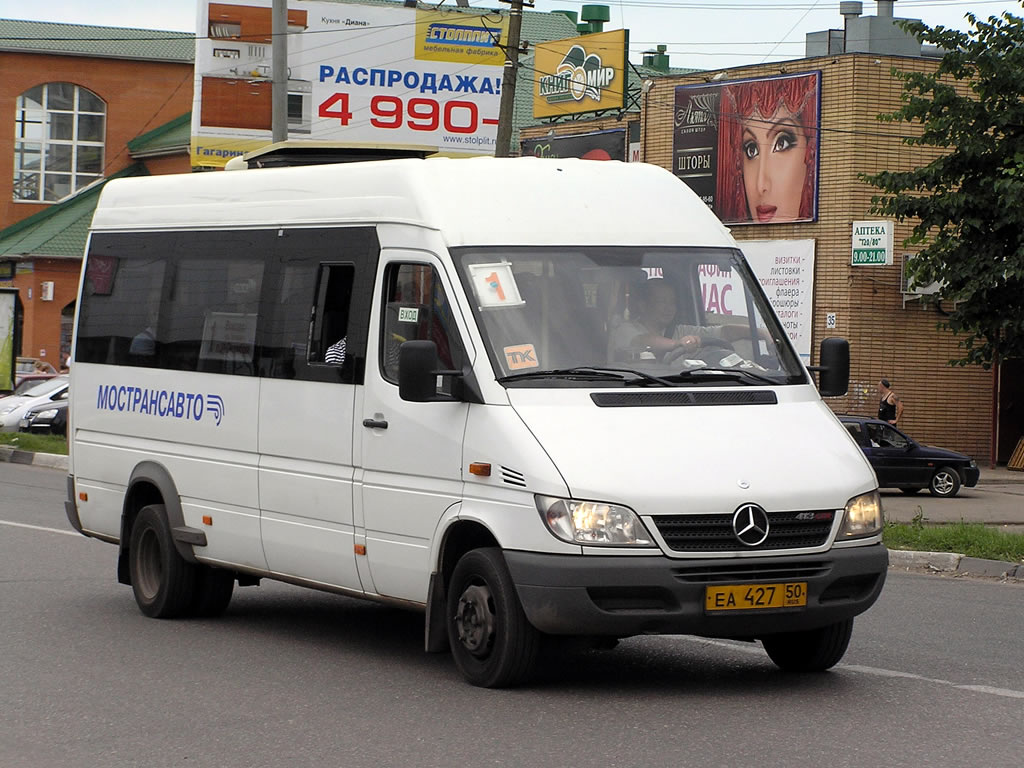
(486, 389)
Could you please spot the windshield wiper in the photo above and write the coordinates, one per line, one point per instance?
(724, 373)
(589, 372)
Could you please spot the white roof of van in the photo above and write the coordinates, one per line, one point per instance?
(477, 201)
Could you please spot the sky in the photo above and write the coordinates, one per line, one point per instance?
(704, 34)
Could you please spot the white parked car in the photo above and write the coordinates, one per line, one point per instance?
(14, 407)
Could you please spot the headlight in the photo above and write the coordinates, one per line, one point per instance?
(593, 522)
(47, 414)
(5, 411)
(862, 517)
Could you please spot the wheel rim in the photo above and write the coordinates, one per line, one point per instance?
(475, 620)
(942, 483)
(149, 572)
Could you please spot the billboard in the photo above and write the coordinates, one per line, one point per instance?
(8, 304)
(580, 74)
(749, 148)
(599, 145)
(357, 74)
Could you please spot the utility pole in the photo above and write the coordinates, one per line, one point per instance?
(508, 80)
(279, 71)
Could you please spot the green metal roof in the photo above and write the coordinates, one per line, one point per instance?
(103, 42)
(174, 135)
(59, 231)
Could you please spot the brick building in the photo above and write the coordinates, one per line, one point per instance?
(892, 332)
(82, 104)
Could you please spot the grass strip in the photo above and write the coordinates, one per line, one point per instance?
(971, 539)
(25, 441)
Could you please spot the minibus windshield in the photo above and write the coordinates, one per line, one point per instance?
(625, 316)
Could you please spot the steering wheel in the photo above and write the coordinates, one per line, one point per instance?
(708, 351)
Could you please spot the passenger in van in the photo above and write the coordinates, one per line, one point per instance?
(650, 327)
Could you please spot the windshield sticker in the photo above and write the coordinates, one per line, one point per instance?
(521, 356)
(494, 285)
(408, 314)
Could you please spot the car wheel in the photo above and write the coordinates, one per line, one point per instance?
(493, 643)
(945, 482)
(212, 593)
(910, 491)
(814, 650)
(163, 582)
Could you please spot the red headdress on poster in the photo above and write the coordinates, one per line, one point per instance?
(799, 97)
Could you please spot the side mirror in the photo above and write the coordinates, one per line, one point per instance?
(834, 367)
(417, 371)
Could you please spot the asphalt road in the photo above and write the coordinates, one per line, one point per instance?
(999, 504)
(292, 677)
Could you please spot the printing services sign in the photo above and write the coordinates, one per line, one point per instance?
(357, 74)
(580, 74)
(872, 243)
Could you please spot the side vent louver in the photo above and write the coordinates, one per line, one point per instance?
(512, 477)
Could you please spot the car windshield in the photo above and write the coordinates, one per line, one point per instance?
(46, 387)
(625, 316)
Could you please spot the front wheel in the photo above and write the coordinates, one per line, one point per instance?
(163, 582)
(493, 643)
(212, 594)
(813, 650)
(945, 482)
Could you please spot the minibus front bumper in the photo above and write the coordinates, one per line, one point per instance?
(621, 596)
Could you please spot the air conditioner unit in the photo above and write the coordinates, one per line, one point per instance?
(46, 291)
(909, 288)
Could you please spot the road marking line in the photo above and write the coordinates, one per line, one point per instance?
(876, 671)
(40, 528)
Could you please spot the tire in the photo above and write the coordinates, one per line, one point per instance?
(492, 642)
(212, 592)
(814, 650)
(910, 491)
(163, 582)
(945, 483)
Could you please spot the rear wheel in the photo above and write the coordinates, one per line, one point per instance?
(492, 642)
(163, 582)
(945, 482)
(813, 650)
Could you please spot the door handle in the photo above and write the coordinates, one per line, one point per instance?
(375, 423)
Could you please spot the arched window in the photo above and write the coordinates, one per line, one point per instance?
(58, 141)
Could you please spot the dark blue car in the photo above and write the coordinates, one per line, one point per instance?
(902, 462)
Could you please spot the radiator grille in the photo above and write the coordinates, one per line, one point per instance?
(714, 533)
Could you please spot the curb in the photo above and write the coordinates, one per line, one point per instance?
(952, 563)
(50, 460)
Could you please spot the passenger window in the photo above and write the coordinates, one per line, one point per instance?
(416, 308)
(330, 315)
(890, 437)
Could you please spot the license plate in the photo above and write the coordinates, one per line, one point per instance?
(752, 597)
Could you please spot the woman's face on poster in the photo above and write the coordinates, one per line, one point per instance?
(774, 171)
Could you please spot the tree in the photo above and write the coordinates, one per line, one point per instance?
(968, 203)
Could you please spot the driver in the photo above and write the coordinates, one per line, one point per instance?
(650, 326)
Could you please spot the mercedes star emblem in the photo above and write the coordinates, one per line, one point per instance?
(750, 524)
